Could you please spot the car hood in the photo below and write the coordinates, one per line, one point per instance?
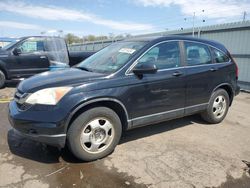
(58, 78)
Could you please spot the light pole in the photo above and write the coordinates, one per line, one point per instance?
(199, 32)
(194, 15)
(193, 23)
(203, 20)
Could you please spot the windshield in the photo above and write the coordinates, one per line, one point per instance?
(111, 58)
(10, 44)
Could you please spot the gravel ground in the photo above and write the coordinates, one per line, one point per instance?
(180, 153)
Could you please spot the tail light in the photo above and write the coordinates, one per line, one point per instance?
(237, 70)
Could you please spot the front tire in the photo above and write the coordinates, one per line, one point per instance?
(217, 108)
(2, 79)
(94, 134)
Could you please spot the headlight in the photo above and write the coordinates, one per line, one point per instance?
(49, 96)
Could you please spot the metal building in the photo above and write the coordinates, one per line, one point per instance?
(235, 36)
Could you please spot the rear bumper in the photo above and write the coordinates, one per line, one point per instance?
(237, 91)
(46, 131)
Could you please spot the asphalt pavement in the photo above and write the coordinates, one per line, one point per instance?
(180, 153)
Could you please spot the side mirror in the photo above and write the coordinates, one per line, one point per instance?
(17, 51)
(147, 68)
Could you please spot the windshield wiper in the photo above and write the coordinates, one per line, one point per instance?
(84, 68)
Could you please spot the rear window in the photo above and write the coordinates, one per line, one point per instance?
(219, 56)
(57, 49)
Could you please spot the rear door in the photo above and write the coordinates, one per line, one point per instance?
(224, 69)
(31, 60)
(159, 96)
(199, 76)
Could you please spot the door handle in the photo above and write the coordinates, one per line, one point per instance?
(213, 69)
(177, 73)
(43, 57)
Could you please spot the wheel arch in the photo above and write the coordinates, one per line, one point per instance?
(117, 106)
(228, 88)
(4, 71)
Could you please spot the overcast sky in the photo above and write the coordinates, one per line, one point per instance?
(101, 17)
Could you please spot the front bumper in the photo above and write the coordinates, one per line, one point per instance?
(53, 140)
(41, 126)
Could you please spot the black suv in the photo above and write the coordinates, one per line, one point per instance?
(28, 56)
(128, 84)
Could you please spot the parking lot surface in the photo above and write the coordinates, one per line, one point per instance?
(180, 153)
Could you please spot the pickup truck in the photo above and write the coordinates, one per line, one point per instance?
(31, 55)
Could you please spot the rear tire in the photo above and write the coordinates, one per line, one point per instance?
(2, 79)
(94, 134)
(217, 108)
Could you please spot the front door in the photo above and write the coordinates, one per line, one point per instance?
(31, 60)
(159, 96)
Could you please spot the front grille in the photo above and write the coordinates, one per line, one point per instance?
(24, 106)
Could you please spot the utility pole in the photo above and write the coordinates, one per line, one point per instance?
(244, 16)
(193, 23)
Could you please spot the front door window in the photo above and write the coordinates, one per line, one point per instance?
(165, 55)
(32, 45)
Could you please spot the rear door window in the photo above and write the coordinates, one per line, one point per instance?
(197, 54)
